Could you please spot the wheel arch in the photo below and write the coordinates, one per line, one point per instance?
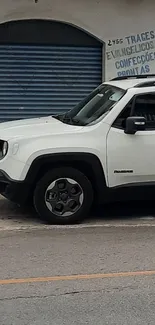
(87, 163)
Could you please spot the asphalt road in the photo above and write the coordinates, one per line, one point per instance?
(104, 296)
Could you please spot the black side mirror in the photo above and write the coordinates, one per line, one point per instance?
(134, 124)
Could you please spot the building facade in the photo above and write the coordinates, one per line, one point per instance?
(54, 52)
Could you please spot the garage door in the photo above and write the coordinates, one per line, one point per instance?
(42, 80)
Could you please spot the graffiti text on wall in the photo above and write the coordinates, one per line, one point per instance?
(132, 55)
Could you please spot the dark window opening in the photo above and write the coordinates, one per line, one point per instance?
(39, 31)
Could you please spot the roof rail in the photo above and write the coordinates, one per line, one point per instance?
(145, 84)
(139, 76)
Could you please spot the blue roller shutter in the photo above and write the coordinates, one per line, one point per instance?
(42, 80)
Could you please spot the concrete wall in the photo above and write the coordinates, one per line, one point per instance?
(112, 21)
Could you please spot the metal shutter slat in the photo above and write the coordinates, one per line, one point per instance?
(42, 80)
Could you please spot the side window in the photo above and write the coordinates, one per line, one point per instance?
(120, 120)
(145, 106)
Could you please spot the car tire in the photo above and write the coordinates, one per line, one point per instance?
(63, 196)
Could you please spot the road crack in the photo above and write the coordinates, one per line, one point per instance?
(72, 293)
(52, 295)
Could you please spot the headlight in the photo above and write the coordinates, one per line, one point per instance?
(3, 149)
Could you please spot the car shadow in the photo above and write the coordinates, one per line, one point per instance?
(109, 212)
(125, 210)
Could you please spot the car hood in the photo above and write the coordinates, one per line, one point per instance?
(35, 127)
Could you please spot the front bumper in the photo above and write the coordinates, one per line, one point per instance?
(16, 191)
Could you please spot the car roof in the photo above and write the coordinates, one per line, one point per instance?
(133, 81)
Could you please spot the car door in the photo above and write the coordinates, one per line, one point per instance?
(131, 157)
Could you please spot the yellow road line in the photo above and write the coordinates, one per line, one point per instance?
(77, 277)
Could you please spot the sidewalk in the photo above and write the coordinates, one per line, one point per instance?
(12, 216)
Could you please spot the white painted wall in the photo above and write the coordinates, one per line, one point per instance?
(105, 19)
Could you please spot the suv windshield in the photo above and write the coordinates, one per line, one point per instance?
(95, 106)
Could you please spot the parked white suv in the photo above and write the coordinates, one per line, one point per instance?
(103, 149)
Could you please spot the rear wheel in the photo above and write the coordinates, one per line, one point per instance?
(63, 196)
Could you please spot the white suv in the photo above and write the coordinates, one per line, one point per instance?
(101, 150)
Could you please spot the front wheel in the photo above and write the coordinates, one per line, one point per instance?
(63, 196)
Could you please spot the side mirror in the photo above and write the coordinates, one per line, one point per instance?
(134, 124)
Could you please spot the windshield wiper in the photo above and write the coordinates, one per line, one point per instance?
(65, 118)
(73, 121)
(68, 119)
(56, 116)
